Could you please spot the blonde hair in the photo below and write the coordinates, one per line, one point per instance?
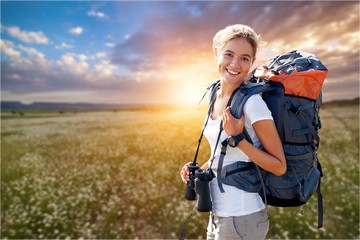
(237, 31)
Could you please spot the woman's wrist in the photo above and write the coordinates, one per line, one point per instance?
(242, 144)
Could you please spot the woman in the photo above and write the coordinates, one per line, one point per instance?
(238, 214)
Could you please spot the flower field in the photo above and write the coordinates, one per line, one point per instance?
(115, 175)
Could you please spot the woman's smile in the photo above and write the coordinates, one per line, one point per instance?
(232, 72)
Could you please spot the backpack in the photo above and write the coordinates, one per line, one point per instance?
(290, 85)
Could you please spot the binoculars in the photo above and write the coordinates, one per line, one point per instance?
(198, 187)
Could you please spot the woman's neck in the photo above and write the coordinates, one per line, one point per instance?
(227, 89)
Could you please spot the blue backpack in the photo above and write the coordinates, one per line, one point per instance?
(290, 85)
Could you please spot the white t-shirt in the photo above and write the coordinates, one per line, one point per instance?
(234, 201)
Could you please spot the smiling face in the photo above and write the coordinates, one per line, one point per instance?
(234, 60)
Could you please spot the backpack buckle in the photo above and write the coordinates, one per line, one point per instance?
(294, 110)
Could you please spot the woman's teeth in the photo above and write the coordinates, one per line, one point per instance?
(232, 72)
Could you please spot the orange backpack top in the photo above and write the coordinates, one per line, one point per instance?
(300, 73)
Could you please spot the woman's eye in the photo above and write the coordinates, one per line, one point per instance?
(245, 59)
(228, 54)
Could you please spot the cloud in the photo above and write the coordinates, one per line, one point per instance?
(64, 45)
(7, 47)
(171, 48)
(99, 55)
(76, 30)
(35, 56)
(20, 55)
(104, 69)
(109, 44)
(73, 62)
(26, 36)
(179, 35)
(28, 71)
(93, 13)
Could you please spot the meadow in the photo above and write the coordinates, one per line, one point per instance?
(115, 175)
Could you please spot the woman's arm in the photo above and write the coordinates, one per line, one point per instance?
(273, 158)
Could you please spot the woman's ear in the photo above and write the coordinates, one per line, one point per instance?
(215, 53)
(254, 59)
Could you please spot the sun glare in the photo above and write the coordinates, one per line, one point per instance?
(190, 93)
(190, 81)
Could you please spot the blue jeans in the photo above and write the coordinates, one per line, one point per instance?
(253, 227)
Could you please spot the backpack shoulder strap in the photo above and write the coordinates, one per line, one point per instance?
(212, 87)
(242, 94)
(237, 102)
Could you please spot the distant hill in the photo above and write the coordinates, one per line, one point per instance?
(16, 105)
(347, 102)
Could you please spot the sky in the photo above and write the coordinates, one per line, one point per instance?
(160, 51)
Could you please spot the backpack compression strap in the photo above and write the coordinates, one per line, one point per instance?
(310, 128)
(320, 199)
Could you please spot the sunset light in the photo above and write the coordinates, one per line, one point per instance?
(160, 52)
(108, 107)
(190, 81)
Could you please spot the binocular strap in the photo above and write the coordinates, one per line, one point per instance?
(184, 228)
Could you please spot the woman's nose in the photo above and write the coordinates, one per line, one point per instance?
(236, 62)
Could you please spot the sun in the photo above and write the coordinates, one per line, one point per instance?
(189, 80)
(190, 93)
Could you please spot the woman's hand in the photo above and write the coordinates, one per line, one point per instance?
(184, 173)
(231, 125)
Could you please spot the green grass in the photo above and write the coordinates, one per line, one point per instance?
(110, 175)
